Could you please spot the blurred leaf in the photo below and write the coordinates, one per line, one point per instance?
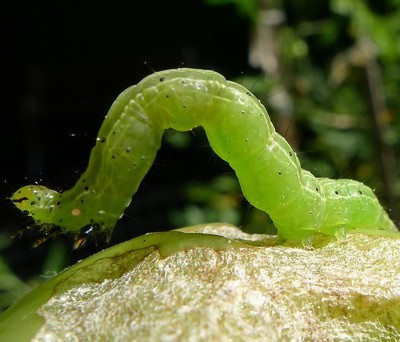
(247, 8)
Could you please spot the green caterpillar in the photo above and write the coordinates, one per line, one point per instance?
(239, 131)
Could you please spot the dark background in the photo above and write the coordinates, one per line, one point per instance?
(66, 62)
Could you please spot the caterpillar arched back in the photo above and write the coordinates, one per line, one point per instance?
(239, 131)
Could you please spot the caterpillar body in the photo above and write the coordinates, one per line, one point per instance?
(238, 129)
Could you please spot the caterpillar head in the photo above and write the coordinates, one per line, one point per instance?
(36, 200)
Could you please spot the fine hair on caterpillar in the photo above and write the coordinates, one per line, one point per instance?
(239, 131)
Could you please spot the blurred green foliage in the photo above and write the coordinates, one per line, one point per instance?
(13, 288)
(247, 8)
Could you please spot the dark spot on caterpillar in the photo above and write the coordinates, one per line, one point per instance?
(113, 156)
(246, 139)
(162, 79)
(83, 180)
(242, 111)
(317, 189)
(102, 140)
(360, 192)
(183, 106)
(58, 203)
(20, 200)
(167, 96)
(86, 188)
(128, 150)
(310, 212)
(290, 153)
(248, 93)
(113, 132)
(82, 200)
(336, 192)
(183, 82)
(33, 203)
(279, 173)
